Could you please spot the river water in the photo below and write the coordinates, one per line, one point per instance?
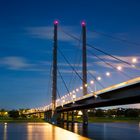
(107, 131)
(95, 131)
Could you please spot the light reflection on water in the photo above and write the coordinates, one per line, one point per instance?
(107, 131)
(5, 132)
(35, 131)
(45, 131)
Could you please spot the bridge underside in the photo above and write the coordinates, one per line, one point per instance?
(121, 96)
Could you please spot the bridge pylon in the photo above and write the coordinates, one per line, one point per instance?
(84, 69)
(54, 73)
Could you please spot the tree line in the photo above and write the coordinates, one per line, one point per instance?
(119, 112)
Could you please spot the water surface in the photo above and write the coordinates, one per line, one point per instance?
(107, 131)
(44, 131)
(36, 131)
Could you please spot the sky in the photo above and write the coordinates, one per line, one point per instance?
(26, 43)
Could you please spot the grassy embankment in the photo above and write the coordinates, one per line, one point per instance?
(110, 119)
(78, 119)
(20, 120)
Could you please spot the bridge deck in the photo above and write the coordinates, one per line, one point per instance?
(57, 133)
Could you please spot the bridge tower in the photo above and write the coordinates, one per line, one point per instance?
(54, 72)
(84, 69)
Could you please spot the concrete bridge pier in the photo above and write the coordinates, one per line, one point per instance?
(67, 120)
(85, 117)
(47, 116)
(72, 117)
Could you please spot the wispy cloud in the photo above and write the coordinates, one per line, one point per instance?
(46, 32)
(21, 64)
(114, 62)
(66, 71)
(13, 62)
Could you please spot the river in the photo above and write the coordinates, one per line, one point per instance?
(95, 131)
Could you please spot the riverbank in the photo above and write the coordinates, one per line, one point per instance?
(91, 120)
(20, 120)
(110, 119)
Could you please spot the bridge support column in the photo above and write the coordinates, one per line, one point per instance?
(47, 116)
(72, 116)
(63, 116)
(67, 121)
(67, 117)
(85, 117)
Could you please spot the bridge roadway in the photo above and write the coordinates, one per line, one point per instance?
(127, 92)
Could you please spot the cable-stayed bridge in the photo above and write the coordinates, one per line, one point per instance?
(84, 97)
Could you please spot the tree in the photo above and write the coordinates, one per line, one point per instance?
(120, 112)
(99, 113)
(14, 114)
(132, 113)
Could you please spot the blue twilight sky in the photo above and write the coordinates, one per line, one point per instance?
(26, 40)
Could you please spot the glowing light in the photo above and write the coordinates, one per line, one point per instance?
(134, 60)
(73, 91)
(107, 73)
(81, 87)
(99, 78)
(86, 85)
(74, 96)
(56, 22)
(77, 89)
(91, 82)
(80, 113)
(119, 68)
(95, 96)
(83, 23)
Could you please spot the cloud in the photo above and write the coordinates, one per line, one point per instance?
(113, 61)
(46, 32)
(13, 62)
(21, 64)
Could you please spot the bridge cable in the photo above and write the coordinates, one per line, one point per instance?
(96, 79)
(76, 71)
(77, 59)
(117, 38)
(91, 46)
(49, 81)
(70, 64)
(110, 65)
(63, 81)
(58, 93)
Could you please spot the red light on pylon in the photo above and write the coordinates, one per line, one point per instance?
(83, 23)
(56, 22)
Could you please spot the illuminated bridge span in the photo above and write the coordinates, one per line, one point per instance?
(84, 97)
(123, 93)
